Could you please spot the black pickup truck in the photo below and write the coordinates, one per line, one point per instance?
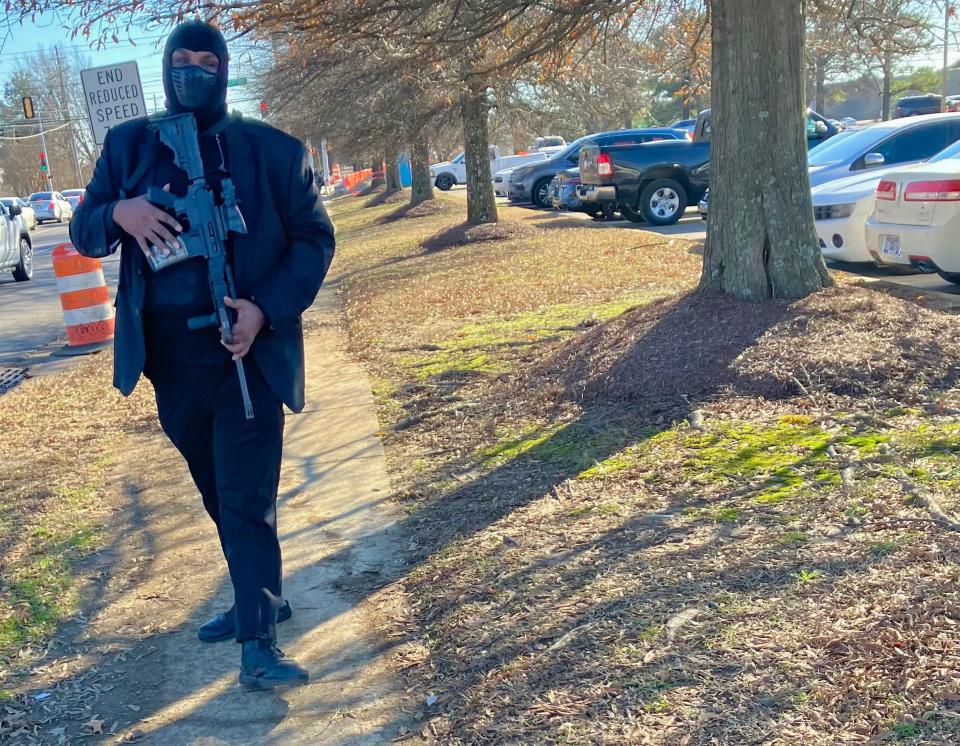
(654, 182)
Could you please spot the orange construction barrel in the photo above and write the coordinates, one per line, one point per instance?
(85, 299)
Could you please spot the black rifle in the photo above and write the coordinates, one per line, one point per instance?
(205, 227)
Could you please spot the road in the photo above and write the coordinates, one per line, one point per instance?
(30, 314)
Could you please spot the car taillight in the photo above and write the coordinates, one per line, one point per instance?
(887, 190)
(941, 190)
(51, 205)
(604, 165)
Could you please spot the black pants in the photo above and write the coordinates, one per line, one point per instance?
(235, 464)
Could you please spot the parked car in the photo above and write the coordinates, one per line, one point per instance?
(16, 249)
(447, 174)
(26, 212)
(913, 106)
(74, 197)
(50, 206)
(703, 206)
(882, 145)
(916, 216)
(563, 195)
(654, 182)
(684, 124)
(953, 103)
(848, 122)
(530, 183)
(501, 181)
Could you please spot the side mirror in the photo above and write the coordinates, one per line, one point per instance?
(873, 159)
(15, 210)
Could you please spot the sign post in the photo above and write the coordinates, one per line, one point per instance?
(113, 94)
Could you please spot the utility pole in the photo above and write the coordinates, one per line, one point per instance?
(66, 103)
(947, 12)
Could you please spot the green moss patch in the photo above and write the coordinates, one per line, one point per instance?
(491, 344)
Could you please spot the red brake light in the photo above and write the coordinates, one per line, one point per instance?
(887, 190)
(604, 165)
(941, 190)
(52, 205)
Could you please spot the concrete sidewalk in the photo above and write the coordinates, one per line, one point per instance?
(136, 667)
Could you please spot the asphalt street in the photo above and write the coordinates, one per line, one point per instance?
(30, 314)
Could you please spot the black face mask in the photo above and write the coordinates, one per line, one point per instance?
(194, 86)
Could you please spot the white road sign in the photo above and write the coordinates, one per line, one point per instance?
(113, 94)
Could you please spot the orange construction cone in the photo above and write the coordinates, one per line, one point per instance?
(85, 300)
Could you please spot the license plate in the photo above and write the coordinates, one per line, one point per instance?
(891, 246)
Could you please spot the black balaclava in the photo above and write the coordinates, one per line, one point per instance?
(192, 89)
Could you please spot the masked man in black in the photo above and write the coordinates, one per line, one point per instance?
(278, 265)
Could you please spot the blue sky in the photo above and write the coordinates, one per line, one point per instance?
(17, 41)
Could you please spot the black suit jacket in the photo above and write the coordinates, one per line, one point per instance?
(279, 263)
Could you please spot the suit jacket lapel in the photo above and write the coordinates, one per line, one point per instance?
(241, 167)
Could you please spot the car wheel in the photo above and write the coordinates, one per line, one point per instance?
(445, 182)
(541, 192)
(953, 277)
(24, 270)
(634, 216)
(663, 202)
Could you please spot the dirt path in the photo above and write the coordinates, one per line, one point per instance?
(132, 666)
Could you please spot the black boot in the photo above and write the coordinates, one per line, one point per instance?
(264, 666)
(223, 626)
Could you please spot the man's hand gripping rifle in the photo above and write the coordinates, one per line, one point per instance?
(205, 227)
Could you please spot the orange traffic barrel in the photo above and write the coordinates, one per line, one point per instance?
(85, 300)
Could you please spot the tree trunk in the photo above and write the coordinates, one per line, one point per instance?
(885, 95)
(393, 172)
(481, 201)
(761, 241)
(820, 94)
(420, 171)
(378, 179)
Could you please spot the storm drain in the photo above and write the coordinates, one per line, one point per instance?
(10, 377)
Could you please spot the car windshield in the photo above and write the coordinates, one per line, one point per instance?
(40, 195)
(845, 146)
(72, 192)
(459, 158)
(951, 151)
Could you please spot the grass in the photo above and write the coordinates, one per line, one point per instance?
(60, 436)
(597, 573)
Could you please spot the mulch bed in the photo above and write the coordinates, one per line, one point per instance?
(846, 342)
(461, 235)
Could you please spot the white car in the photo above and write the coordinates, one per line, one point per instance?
(841, 209)
(501, 181)
(26, 212)
(916, 217)
(447, 174)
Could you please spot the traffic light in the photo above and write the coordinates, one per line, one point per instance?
(43, 161)
(28, 112)
(263, 108)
